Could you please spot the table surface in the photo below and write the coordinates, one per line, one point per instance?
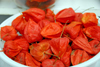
(8, 7)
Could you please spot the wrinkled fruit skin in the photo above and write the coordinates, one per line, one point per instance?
(39, 50)
(65, 14)
(32, 32)
(8, 33)
(89, 19)
(79, 56)
(30, 61)
(11, 49)
(50, 63)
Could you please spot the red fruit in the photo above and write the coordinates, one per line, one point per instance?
(78, 17)
(66, 58)
(50, 15)
(83, 44)
(79, 56)
(95, 44)
(30, 61)
(11, 49)
(65, 15)
(19, 24)
(59, 46)
(32, 32)
(22, 42)
(52, 63)
(35, 14)
(73, 29)
(43, 23)
(20, 58)
(41, 50)
(89, 19)
(8, 33)
(52, 30)
(93, 32)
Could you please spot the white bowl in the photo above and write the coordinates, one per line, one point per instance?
(93, 62)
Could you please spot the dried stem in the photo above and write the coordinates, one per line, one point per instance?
(52, 55)
(87, 9)
(56, 58)
(1, 51)
(4, 36)
(63, 29)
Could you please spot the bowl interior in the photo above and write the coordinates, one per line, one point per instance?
(15, 64)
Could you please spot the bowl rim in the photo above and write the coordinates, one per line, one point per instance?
(16, 64)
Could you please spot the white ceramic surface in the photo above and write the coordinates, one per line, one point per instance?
(94, 62)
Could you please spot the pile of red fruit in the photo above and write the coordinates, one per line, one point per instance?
(52, 40)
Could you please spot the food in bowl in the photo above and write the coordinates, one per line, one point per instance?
(40, 3)
(67, 38)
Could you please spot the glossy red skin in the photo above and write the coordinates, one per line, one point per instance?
(23, 43)
(8, 33)
(93, 32)
(35, 14)
(59, 46)
(30, 61)
(65, 15)
(95, 44)
(38, 50)
(11, 49)
(32, 32)
(50, 63)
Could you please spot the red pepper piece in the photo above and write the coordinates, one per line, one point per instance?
(8, 33)
(79, 56)
(50, 15)
(83, 44)
(66, 58)
(11, 49)
(95, 44)
(20, 58)
(30, 61)
(22, 42)
(73, 29)
(93, 32)
(65, 14)
(52, 30)
(59, 46)
(34, 13)
(43, 23)
(78, 17)
(89, 19)
(52, 63)
(19, 24)
(32, 32)
(41, 50)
